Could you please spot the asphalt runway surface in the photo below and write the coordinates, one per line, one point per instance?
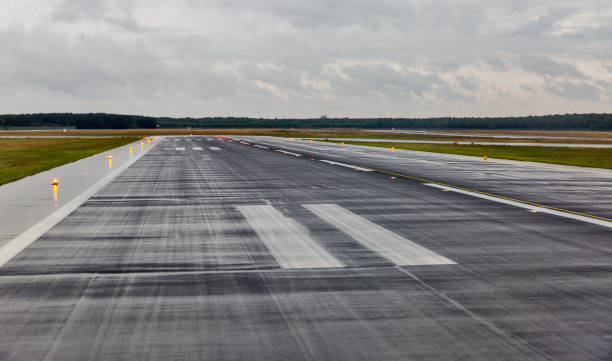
(587, 190)
(206, 249)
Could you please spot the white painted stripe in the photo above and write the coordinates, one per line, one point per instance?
(214, 148)
(288, 241)
(578, 217)
(261, 146)
(288, 153)
(197, 148)
(347, 165)
(19, 243)
(209, 139)
(167, 148)
(395, 248)
(180, 148)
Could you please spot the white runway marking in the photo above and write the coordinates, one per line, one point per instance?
(197, 148)
(180, 148)
(395, 248)
(214, 148)
(288, 153)
(288, 241)
(346, 165)
(261, 147)
(578, 217)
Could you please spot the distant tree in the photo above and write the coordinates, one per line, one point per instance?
(146, 122)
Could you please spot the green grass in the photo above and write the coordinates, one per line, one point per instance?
(595, 137)
(585, 157)
(23, 157)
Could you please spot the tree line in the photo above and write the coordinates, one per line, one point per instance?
(78, 120)
(118, 121)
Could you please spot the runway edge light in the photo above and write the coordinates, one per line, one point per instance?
(54, 182)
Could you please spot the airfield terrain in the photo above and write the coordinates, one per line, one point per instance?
(264, 248)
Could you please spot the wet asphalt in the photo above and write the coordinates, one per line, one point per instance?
(193, 253)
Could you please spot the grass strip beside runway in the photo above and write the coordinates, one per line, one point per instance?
(596, 137)
(20, 158)
(585, 157)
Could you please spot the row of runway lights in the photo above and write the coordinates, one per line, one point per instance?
(109, 157)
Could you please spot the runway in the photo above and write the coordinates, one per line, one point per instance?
(205, 249)
(581, 189)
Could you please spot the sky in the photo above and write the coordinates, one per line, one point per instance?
(306, 58)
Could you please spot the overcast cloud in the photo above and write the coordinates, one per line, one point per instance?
(305, 58)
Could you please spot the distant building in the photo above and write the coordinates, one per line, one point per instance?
(324, 116)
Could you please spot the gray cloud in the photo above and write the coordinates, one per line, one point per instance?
(572, 90)
(119, 13)
(305, 58)
(467, 83)
(384, 80)
(544, 23)
(546, 66)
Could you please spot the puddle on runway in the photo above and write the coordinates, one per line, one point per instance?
(25, 202)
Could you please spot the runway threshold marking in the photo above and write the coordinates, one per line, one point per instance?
(395, 248)
(214, 148)
(524, 205)
(289, 242)
(346, 165)
(196, 148)
(180, 148)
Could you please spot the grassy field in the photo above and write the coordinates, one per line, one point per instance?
(596, 137)
(23, 157)
(547, 133)
(585, 157)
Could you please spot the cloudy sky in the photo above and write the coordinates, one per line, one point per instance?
(305, 58)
